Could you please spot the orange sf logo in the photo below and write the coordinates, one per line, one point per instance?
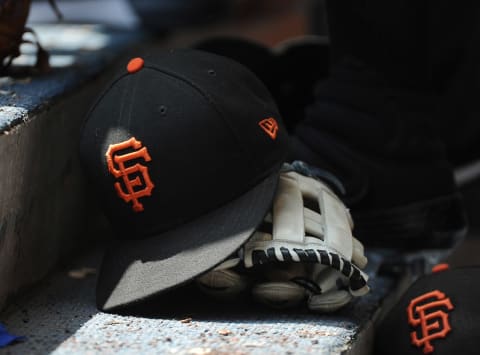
(132, 194)
(270, 126)
(433, 321)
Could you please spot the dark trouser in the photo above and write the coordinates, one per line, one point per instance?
(400, 96)
(428, 47)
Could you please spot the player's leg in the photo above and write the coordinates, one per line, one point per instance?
(454, 66)
(371, 126)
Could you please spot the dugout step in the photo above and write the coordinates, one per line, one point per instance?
(43, 206)
(60, 317)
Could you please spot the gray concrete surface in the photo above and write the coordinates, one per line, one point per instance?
(43, 205)
(60, 317)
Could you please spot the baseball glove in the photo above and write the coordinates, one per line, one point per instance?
(303, 251)
(13, 16)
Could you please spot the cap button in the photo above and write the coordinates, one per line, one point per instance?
(440, 267)
(135, 65)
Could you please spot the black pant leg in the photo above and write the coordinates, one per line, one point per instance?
(454, 68)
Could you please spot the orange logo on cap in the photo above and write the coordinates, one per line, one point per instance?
(270, 126)
(433, 321)
(132, 194)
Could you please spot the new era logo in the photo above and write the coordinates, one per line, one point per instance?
(270, 126)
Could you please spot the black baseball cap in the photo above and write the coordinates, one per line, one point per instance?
(183, 151)
(439, 314)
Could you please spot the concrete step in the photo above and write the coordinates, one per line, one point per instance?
(44, 211)
(60, 317)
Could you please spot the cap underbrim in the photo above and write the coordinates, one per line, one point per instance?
(134, 271)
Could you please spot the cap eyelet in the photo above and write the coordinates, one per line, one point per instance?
(162, 110)
(212, 72)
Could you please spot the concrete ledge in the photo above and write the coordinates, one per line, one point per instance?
(60, 317)
(43, 204)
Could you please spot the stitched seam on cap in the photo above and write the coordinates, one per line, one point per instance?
(100, 98)
(206, 96)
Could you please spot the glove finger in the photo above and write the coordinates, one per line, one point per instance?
(223, 284)
(279, 294)
(358, 256)
(329, 302)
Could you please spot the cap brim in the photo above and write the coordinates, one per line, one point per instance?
(134, 271)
